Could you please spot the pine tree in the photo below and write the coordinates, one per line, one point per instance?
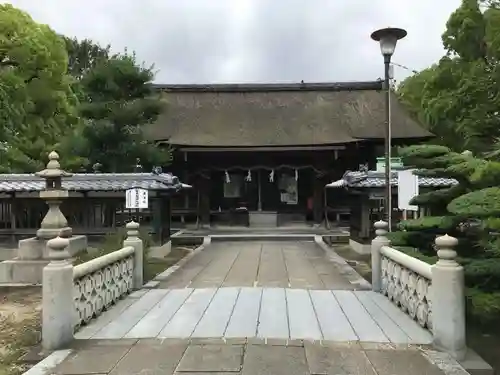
(468, 211)
(434, 161)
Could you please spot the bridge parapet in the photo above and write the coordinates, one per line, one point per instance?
(432, 295)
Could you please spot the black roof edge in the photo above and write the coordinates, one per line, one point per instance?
(422, 138)
(266, 87)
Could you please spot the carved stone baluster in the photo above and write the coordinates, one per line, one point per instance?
(58, 307)
(448, 299)
(134, 241)
(381, 229)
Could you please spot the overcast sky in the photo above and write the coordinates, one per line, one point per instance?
(211, 41)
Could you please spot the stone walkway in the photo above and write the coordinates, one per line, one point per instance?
(253, 308)
(264, 264)
(338, 315)
(248, 357)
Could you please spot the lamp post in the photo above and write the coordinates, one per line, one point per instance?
(388, 39)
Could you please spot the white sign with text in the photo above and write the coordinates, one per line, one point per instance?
(407, 189)
(136, 198)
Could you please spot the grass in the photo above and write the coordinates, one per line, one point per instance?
(154, 266)
(360, 262)
(19, 327)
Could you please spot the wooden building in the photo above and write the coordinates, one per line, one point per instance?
(261, 154)
(365, 192)
(95, 206)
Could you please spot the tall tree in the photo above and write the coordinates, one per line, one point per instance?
(84, 55)
(468, 211)
(118, 101)
(459, 96)
(464, 36)
(38, 105)
(435, 161)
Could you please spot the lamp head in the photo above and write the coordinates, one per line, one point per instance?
(388, 38)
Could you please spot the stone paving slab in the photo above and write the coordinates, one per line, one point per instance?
(183, 357)
(296, 265)
(267, 313)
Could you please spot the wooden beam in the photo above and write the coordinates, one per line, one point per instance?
(261, 148)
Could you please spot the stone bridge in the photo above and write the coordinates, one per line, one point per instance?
(263, 308)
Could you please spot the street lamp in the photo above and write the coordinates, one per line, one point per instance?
(388, 38)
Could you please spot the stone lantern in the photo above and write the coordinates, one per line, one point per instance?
(33, 254)
(54, 223)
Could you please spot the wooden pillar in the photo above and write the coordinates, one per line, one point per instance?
(366, 226)
(86, 212)
(157, 213)
(318, 199)
(13, 218)
(166, 218)
(204, 202)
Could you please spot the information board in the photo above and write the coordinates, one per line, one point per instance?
(136, 198)
(407, 189)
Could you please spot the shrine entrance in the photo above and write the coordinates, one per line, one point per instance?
(262, 194)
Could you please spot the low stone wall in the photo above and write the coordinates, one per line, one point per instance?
(73, 295)
(432, 295)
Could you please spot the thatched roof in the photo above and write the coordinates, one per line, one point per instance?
(277, 115)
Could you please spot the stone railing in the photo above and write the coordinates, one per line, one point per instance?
(432, 295)
(73, 295)
(101, 282)
(407, 282)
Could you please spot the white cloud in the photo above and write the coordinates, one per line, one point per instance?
(200, 41)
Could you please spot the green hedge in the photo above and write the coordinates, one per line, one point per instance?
(419, 240)
(480, 203)
(483, 307)
(421, 152)
(438, 198)
(482, 274)
(434, 224)
(413, 252)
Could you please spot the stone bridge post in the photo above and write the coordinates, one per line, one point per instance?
(58, 305)
(448, 300)
(134, 241)
(381, 229)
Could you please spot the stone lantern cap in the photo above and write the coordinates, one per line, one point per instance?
(53, 169)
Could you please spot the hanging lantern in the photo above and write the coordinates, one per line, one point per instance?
(227, 178)
(271, 176)
(248, 178)
(296, 174)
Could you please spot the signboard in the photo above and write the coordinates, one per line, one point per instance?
(376, 196)
(288, 189)
(136, 198)
(396, 164)
(407, 189)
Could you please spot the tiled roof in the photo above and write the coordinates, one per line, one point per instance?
(94, 182)
(374, 179)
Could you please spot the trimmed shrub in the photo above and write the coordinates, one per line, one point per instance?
(481, 203)
(483, 274)
(483, 307)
